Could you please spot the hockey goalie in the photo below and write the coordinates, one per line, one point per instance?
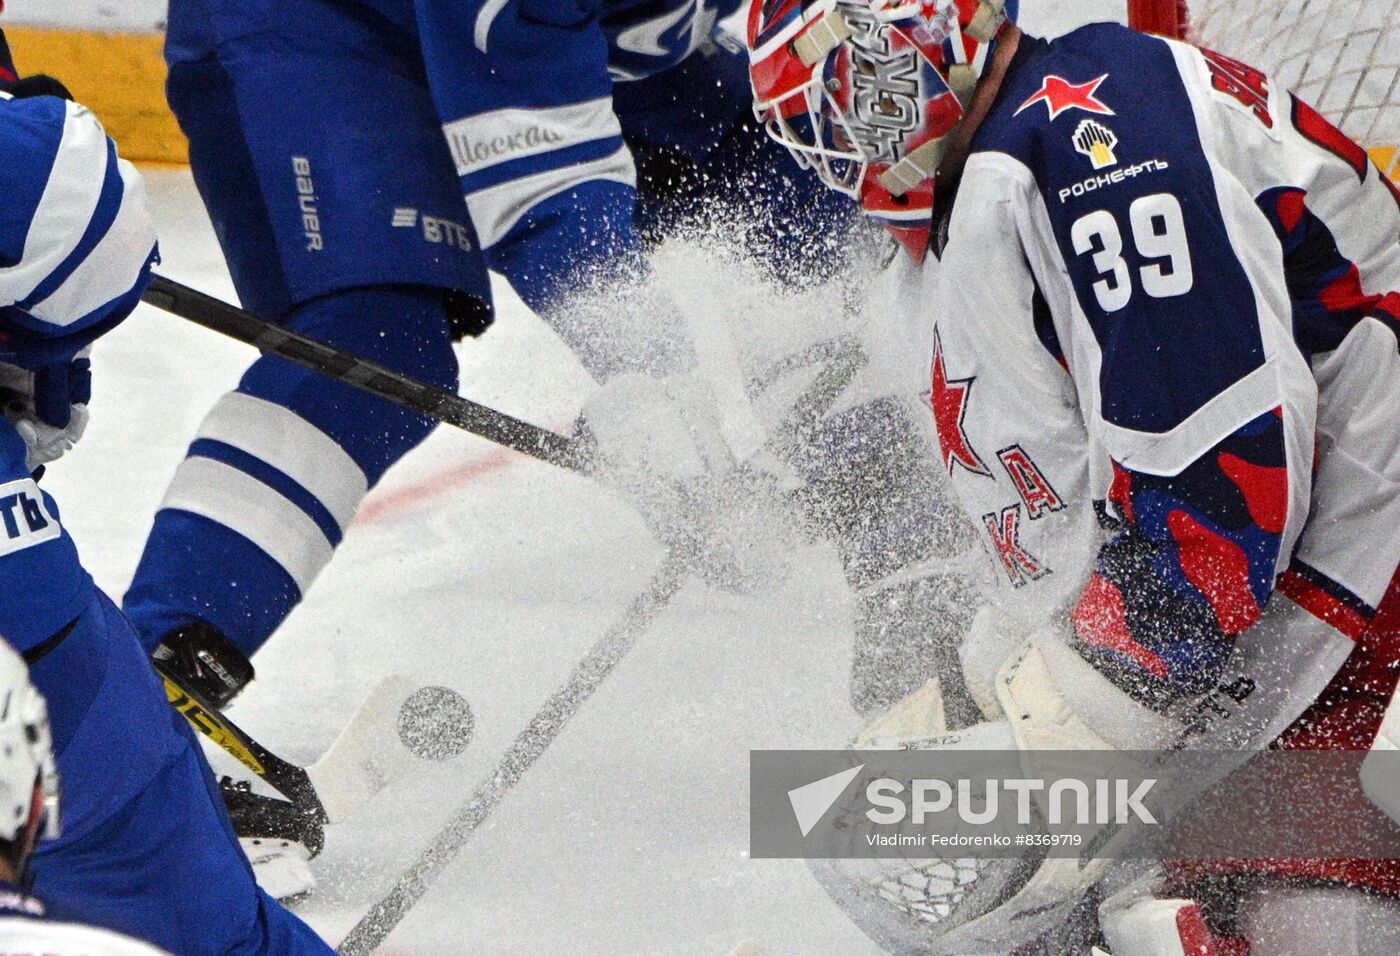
(1162, 336)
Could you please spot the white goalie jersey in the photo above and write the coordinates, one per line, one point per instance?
(27, 936)
(1165, 362)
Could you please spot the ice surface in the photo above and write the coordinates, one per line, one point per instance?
(493, 575)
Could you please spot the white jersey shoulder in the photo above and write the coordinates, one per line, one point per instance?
(25, 936)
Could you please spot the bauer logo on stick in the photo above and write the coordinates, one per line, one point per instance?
(1096, 141)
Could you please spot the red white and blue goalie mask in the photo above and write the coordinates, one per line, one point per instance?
(865, 92)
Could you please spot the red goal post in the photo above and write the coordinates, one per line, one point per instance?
(1342, 56)
(1168, 17)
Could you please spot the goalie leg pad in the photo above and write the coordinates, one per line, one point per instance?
(1152, 927)
(1308, 920)
(1056, 700)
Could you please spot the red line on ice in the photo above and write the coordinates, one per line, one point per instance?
(392, 504)
(379, 507)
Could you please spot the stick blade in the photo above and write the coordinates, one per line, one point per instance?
(368, 755)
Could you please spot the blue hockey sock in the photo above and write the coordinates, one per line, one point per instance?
(279, 467)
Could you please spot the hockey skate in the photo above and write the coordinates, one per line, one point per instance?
(279, 838)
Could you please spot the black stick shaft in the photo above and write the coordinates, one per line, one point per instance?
(291, 780)
(428, 400)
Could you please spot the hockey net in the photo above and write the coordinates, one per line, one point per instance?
(1341, 56)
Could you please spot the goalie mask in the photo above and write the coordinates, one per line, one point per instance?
(866, 92)
(28, 776)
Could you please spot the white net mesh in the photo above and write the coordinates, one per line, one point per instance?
(1342, 56)
(925, 890)
(907, 905)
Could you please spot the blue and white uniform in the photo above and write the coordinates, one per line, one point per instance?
(333, 142)
(146, 847)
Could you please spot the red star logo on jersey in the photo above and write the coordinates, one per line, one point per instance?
(948, 399)
(1059, 94)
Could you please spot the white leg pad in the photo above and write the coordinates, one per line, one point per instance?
(1308, 921)
(1153, 927)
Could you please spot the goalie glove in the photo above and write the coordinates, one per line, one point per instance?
(660, 439)
(47, 407)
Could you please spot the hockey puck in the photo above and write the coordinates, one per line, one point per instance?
(435, 723)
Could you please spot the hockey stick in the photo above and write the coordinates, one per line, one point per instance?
(529, 745)
(520, 436)
(549, 721)
(291, 781)
(364, 758)
(446, 407)
(428, 400)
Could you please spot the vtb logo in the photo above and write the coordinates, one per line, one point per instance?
(25, 519)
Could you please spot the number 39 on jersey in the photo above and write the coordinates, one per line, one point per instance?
(1154, 235)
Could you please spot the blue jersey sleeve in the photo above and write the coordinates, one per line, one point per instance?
(44, 584)
(525, 92)
(76, 238)
(525, 97)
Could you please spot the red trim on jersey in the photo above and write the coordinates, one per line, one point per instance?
(1321, 605)
(1292, 204)
(1265, 490)
(1121, 492)
(1315, 127)
(1100, 619)
(1237, 79)
(1346, 293)
(1389, 308)
(1392, 186)
(1218, 568)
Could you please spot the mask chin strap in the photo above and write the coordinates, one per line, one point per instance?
(821, 38)
(914, 168)
(990, 15)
